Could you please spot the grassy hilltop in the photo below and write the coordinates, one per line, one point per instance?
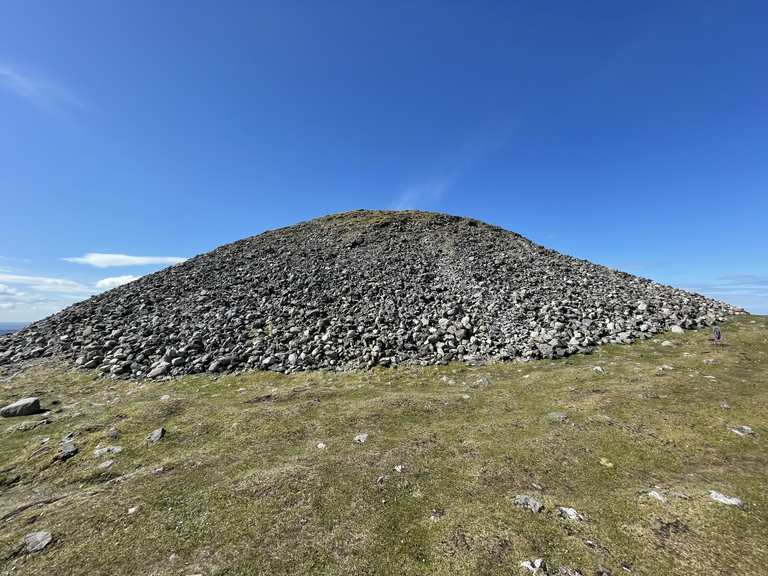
(238, 485)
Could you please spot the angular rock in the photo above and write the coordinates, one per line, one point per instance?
(159, 370)
(23, 407)
(36, 541)
(66, 451)
(529, 503)
(156, 435)
(743, 431)
(727, 500)
(569, 513)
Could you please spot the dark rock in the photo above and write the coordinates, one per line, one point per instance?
(23, 407)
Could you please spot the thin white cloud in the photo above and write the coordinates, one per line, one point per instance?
(100, 260)
(115, 281)
(42, 93)
(37, 296)
(46, 284)
(749, 291)
(423, 195)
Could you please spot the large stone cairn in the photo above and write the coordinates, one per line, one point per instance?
(356, 290)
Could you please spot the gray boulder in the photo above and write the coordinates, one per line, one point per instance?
(23, 407)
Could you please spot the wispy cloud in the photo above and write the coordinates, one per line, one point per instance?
(25, 297)
(749, 291)
(424, 195)
(46, 284)
(115, 281)
(446, 173)
(40, 92)
(100, 260)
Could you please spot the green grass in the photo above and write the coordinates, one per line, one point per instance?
(243, 488)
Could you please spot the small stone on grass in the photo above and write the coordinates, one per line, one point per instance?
(36, 541)
(727, 500)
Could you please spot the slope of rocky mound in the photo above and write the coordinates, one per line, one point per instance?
(355, 290)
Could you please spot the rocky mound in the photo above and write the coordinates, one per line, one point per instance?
(355, 290)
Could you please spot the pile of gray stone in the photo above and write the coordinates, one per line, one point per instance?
(356, 290)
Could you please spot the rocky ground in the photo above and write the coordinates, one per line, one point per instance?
(641, 460)
(356, 290)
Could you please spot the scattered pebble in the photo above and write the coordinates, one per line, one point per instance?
(658, 496)
(465, 396)
(710, 361)
(156, 435)
(322, 446)
(361, 438)
(605, 462)
(399, 468)
(165, 397)
(599, 369)
(569, 513)
(742, 431)
(725, 406)
(99, 452)
(36, 541)
(667, 343)
(437, 513)
(67, 451)
(723, 499)
(524, 501)
(133, 510)
(533, 566)
(557, 416)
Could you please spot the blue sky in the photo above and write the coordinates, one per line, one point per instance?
(631, 134)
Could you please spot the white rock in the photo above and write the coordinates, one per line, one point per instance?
(677, 330)
(99, 452)
(399, 468)
(321, 446)
(133, 510)
(723, 499)
(667, 343)
(361, 438)
(36, 541)
(569, 513)
(742, 430)
(657, 495)
(165, 397)
(599, 369)
(532, 566)
(106, 464)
